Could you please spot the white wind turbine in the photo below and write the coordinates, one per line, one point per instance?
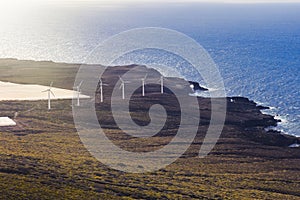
(49, 91)
(143, 85)
(162, 84)
(101, 90)
(122, 86)
(78, 91)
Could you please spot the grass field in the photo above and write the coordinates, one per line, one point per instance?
(43, 157)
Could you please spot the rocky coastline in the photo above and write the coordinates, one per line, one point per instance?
(43, 157)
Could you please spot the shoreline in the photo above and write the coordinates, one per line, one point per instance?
(44, 149)
(43, 65)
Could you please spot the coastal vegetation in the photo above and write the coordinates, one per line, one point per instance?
(44, 158)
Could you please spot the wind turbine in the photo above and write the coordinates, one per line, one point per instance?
(78, 90)
(49, 95)
(162, 84)
(143, 85)
(122, 86)
(101, 90)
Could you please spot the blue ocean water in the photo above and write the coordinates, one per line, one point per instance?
(256, 46)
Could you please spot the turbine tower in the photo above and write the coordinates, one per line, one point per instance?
(78, 91)
(49, 91)
(162, 84)
(143, 85)
(122, 86)
(101, 90)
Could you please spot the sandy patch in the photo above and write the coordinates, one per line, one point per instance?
(13, 91)
(6, 121)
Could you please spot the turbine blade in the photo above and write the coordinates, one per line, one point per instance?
(51, 84)
(159, 80)
(52, 93)
(121, 86)
(80, 84)
(101, 82)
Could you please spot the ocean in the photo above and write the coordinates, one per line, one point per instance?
(256, 46)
